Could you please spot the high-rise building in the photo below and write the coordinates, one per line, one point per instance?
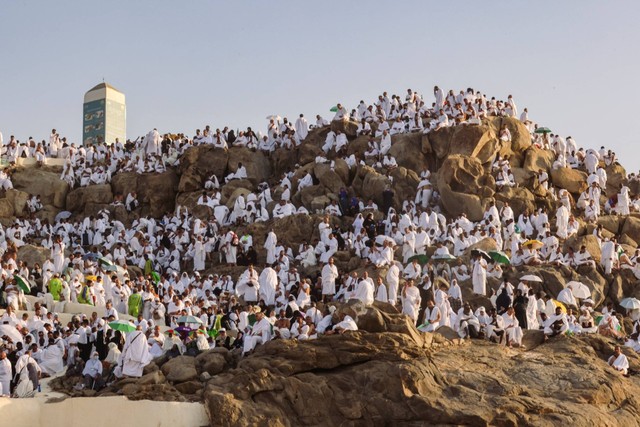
(104, 115)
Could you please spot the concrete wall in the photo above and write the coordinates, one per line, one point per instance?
(100, 412)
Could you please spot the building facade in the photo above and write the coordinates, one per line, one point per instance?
(104, 115)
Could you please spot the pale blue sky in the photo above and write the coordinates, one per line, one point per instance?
(186, 64)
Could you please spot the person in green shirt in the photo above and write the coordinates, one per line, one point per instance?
(135, 303)
(55, 287)
(86, 294)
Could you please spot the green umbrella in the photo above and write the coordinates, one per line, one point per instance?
(499, 257)
(122, 326)
(444, 257)
(542, 130)
(212, 333)
(105, 261)
(334, 109)
(422, 259)
(189, 319)
(155, 277)
(23, 283)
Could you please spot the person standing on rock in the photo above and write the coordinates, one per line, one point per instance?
(57, 254)
(302, 128)
(270, 245)
(135, 354)
(268, 280)
(329, 276)
(479, 276)
(411, 300)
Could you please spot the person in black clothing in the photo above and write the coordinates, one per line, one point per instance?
(520, 303)
(387, 199)
(503, 302)
(370, 226)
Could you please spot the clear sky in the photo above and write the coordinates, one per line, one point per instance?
(185, 64)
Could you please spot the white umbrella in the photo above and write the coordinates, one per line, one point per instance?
(630, 303)
(273, 117)
(380, 239)
(579, 290)
(63, 215)
(531, 278)
(11, 332)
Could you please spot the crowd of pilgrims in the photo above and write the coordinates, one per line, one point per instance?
(88, 257)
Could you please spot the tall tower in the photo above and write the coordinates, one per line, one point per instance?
(104, 115)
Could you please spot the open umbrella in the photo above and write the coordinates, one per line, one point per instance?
(381, 238)
(542, 130)
(122, 326)
(482, 253)
(444, 257)
(630, 303)
(533, 244)
(111, 267)
(559, 304)
(189, 319)
(11, 332)
(155, 277)
(500, 257)
(579, 290)
(105, 261)
(273, 117)
(334, 109)
(422, 259)
(63, 215)
(531, 278)
(23, 283)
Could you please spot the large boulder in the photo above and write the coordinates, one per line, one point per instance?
(180, 369)
(211, 361)
(631, 228)
(536, 159)
(158, 191)
(328, 177)
(99, 194)
(572, 180)
(406, 148)
(456, 203)
(18, 200)
(479, 141)
(462, 174)
(33, 254)
(206, 159)
(47, 184)
(616, 178)
(589, 241)
(347, 127)
(256, 163)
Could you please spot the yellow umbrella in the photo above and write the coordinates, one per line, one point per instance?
(533, 244)
(561, 305)
(90, 277)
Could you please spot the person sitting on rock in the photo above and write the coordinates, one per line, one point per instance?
(432, 318)
(556, 324)
(131, 202)
(346, 324)
(619, 361)
(240, 173)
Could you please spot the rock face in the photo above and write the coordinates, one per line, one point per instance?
(387, 379)
(389, 373)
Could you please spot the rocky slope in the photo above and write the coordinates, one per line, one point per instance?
(388, 373)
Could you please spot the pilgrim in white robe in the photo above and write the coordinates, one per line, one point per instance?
(135, 354)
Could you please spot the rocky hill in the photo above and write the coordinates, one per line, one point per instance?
(387, 373)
